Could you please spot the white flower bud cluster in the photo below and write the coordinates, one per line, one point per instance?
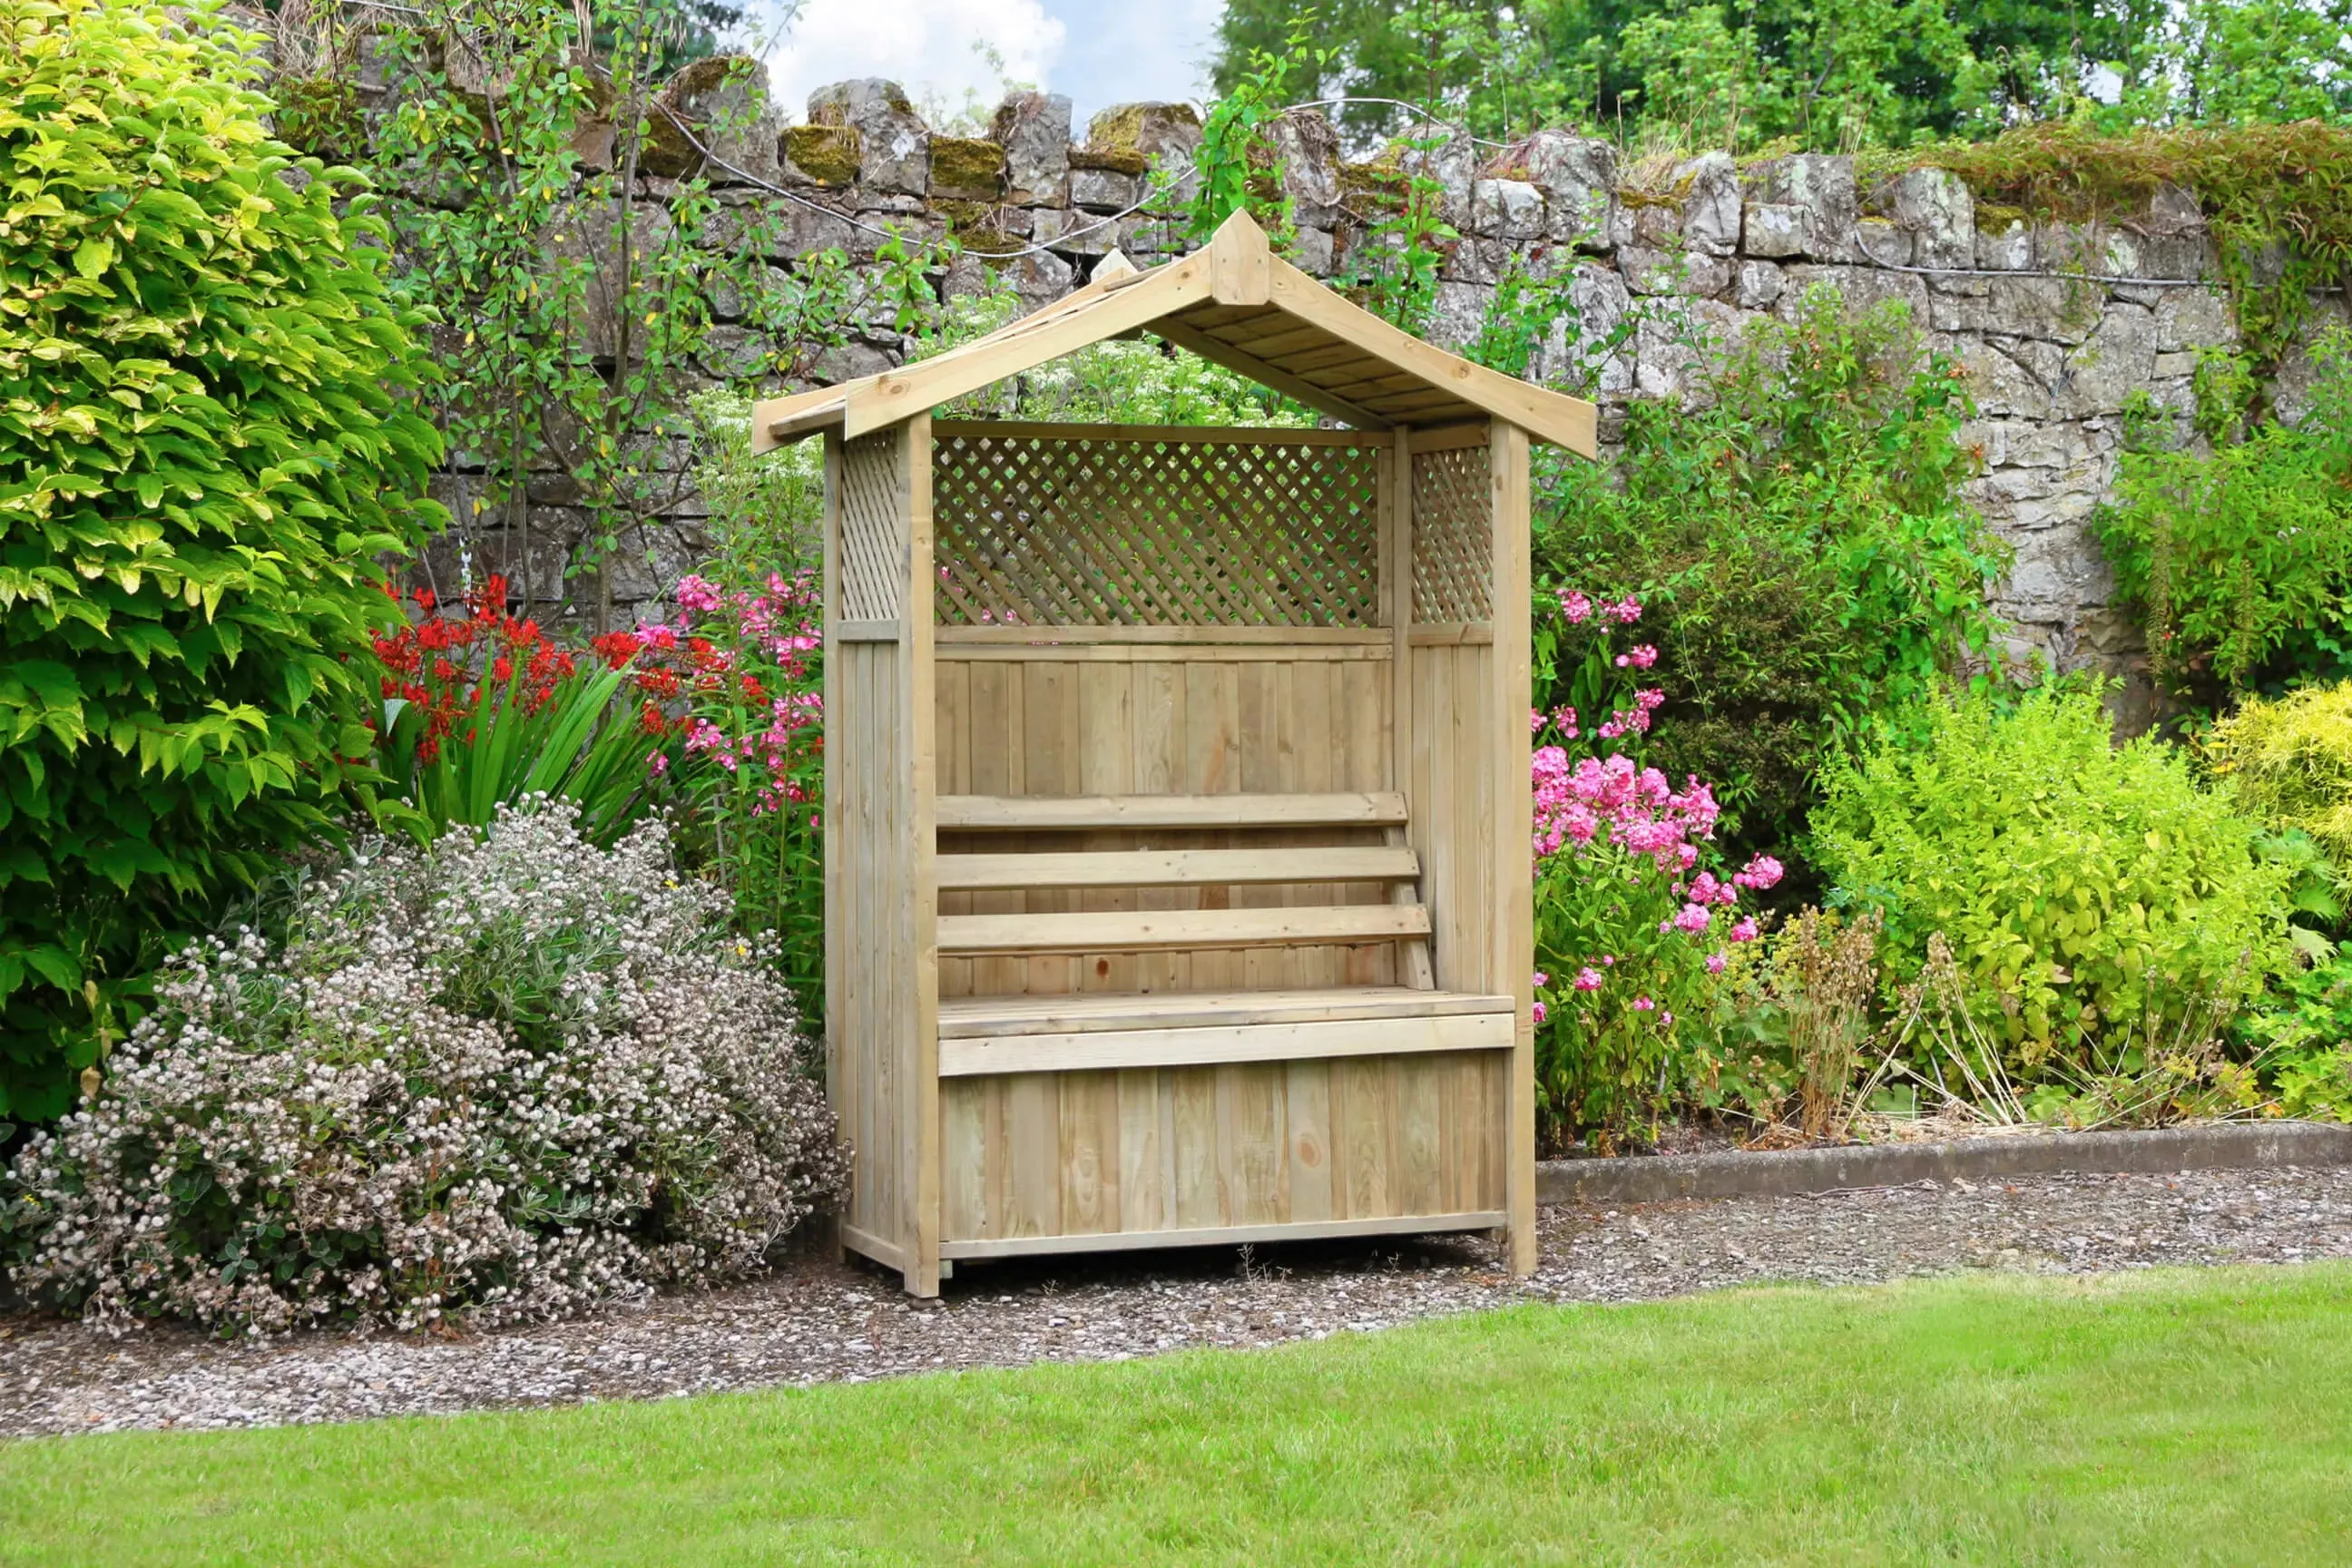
(500, 1078)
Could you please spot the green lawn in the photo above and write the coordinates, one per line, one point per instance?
(2180, 1417)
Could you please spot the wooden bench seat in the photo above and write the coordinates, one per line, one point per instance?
(981, 1035)
(1093, 1031)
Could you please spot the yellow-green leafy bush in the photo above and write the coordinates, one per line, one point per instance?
(205, 445)
(2288, 762)
(2092, 893)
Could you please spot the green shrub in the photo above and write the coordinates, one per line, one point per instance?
(205, 445)
(2093, 895)
(2288, 764)
(2240, 559)
(1801, 544)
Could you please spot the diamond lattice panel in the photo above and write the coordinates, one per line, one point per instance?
(872, 528)
(1452, 574)
(1057, 529)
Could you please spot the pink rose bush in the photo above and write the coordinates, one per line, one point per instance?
(1635, 909)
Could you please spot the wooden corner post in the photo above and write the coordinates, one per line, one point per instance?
(923, 1270)
(1514, 962)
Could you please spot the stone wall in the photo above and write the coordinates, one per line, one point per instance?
(2055, 324)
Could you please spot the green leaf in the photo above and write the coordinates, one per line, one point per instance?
(93, 256)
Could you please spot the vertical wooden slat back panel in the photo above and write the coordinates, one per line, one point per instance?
(1118, 525)
(1450, 755)
(1182, 724)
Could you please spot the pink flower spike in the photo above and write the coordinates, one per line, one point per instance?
(1746, 930)
(1540, 978)
(1587, 979)
(1643, 1004)
(1716, 963)
(1538, 1012)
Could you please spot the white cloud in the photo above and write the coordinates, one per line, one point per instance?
(1100, 52)
(1126, 51)
(925, 46)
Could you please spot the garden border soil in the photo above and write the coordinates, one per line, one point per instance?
(1793, 1173)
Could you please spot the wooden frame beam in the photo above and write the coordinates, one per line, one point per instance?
(1237, 272)
(1218, 352)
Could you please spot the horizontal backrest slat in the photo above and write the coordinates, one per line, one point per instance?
(1179, 867)
(1378, 808)
(1130, 930)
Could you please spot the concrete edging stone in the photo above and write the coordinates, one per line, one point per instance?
(1790, 1173)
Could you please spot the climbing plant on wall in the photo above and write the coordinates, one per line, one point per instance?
(557, 207)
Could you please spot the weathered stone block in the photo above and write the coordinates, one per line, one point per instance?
(1099, 190)
(2004, 242)
(1880, 243)
(967, 169)
(1452, 165)
(1506, 209)
(719, 106)
(602, 236)
(1033, 129)
(1757, 286)
(1307, 163)
(2194, 318)
(1710, 208)
(894, 145)
(1649, 271)
(1163, 135)
(1577, 177)
(1934, 206)
(1773, 230)
(823, 155)
(1821, 187)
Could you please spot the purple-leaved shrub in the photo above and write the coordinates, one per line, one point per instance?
(502, 1078)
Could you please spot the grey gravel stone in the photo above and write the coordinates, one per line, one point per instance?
(816, 1321)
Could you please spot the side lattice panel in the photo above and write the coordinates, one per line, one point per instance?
(1056, 530)
(1453, 537)
(874, 527)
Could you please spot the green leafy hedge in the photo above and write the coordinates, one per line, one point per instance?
(205, 445)
(2092, 894)
(2240, 558)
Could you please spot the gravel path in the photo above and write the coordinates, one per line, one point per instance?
(816, 1321)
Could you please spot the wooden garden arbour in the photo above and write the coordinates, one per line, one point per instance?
(1177, 815)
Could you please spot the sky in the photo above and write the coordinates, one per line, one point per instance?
(1099, 52)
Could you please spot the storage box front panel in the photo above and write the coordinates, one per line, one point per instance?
(1317, 1143)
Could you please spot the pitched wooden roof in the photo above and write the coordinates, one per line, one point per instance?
(1235, 303)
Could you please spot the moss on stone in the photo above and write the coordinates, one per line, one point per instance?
(1116, 162)
(1996, 220)
(966, 165)
(829, 155)
(1120, 129)
(989, 243)
(1378, 183)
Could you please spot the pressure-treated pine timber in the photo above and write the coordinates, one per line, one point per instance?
(1176, 803)
(1133, 930)
(974, 1017)
(1225, 1236)
(1114, 1049)
(1373, 808)
(1514, 819)
(1215, 302)
(1179, 867)
(1218, 352)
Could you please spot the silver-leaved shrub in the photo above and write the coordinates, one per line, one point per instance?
(501, 1077)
